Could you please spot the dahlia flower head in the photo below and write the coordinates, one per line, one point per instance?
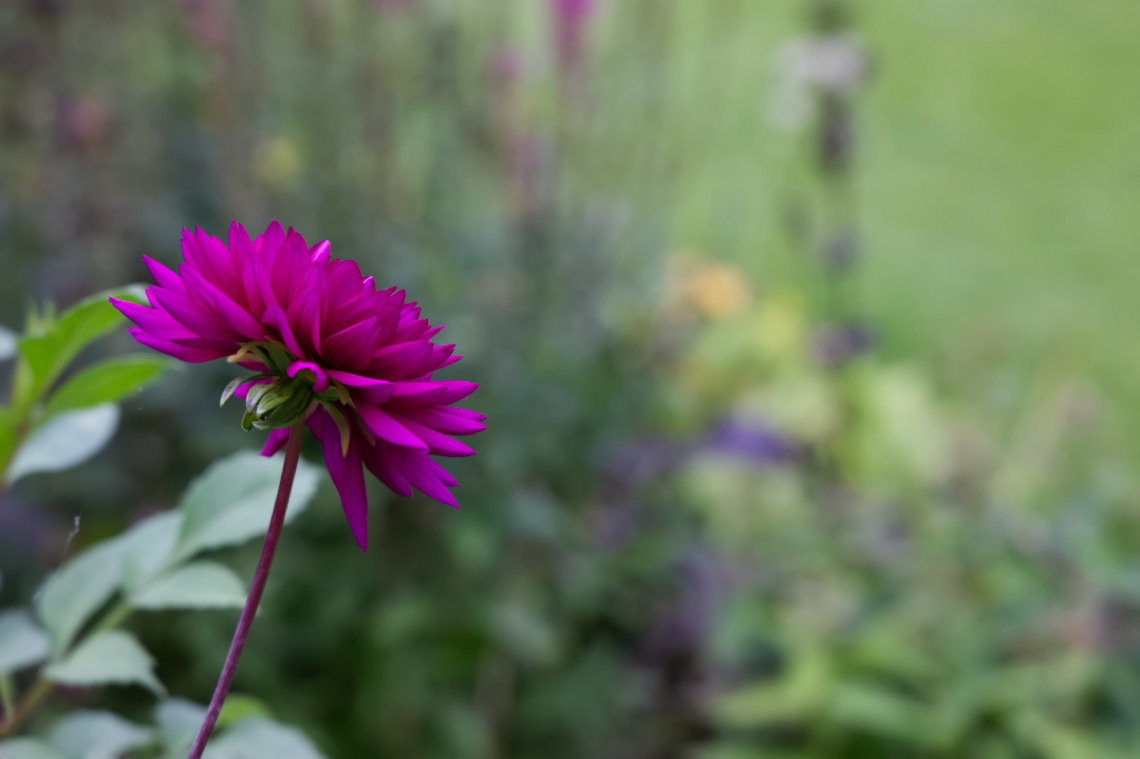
(354, 362)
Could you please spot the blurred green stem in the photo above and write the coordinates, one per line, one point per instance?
(7, 695)
(113, 618)
(15, 717)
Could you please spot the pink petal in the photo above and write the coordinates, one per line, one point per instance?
(234, 315)
(407, 394)
(269, 241)
(180, 352)
(277, 440)
(424, 474)
(203, 322)
(155, 321)
(439, 418)
(227, 274)
(357, 380)
(275, 316)
(438, 443)
(412, 330)
(229, 346)
(322, 379)
(320, 252)
(164, 276)
(467, 413)
(347, 475)
(346, 347)
(289, 271)
(398, 354)
(387, 428)
(378, 459)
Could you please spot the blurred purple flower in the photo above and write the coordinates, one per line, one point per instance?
(751, 441)
(841, 252)
(85, 122)
(208, 23)
(676, 643)
(837, 345)
(643, 460)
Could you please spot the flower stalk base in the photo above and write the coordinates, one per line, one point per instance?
(272, 535)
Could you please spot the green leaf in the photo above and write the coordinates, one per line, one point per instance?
(8, 341)
(148, 548)
(28, 748)
(65, 440)
(105, 382)
(201, 585)
(97, 735)
(7, 438)
(259, 738)
(800, 694)
(524, 633)
(867, 707)
(22, 643)
(240, 707)
(178, 723)
(108, 657)
(730, 749)
(51, 346)
(233, 500)
(94, 316)
(78, 589)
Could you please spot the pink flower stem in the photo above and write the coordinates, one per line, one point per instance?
(276, 522)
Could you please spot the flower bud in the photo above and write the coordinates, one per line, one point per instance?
(277, 404)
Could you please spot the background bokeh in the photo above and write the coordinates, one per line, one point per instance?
(804, 330)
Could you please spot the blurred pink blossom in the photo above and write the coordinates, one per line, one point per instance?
(570, 20)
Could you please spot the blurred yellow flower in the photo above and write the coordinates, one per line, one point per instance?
(708, 288)
(276, 161)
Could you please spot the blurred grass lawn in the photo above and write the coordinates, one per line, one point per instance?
(998, 172)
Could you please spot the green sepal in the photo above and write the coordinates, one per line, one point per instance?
(342, 425)
(276, 394)
(234, 384)
(276, 358)
(253, 397)
(287, 413)
(277, 404)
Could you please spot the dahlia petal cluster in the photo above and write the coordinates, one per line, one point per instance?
(355, 362)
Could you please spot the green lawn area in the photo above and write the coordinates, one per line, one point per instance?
(999, 172)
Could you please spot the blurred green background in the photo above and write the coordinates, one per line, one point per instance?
(803, 329)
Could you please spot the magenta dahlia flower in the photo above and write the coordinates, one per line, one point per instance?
(355, 363)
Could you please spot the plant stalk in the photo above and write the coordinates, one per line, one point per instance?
(15, 717)
(272, 535)
(7, 697)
